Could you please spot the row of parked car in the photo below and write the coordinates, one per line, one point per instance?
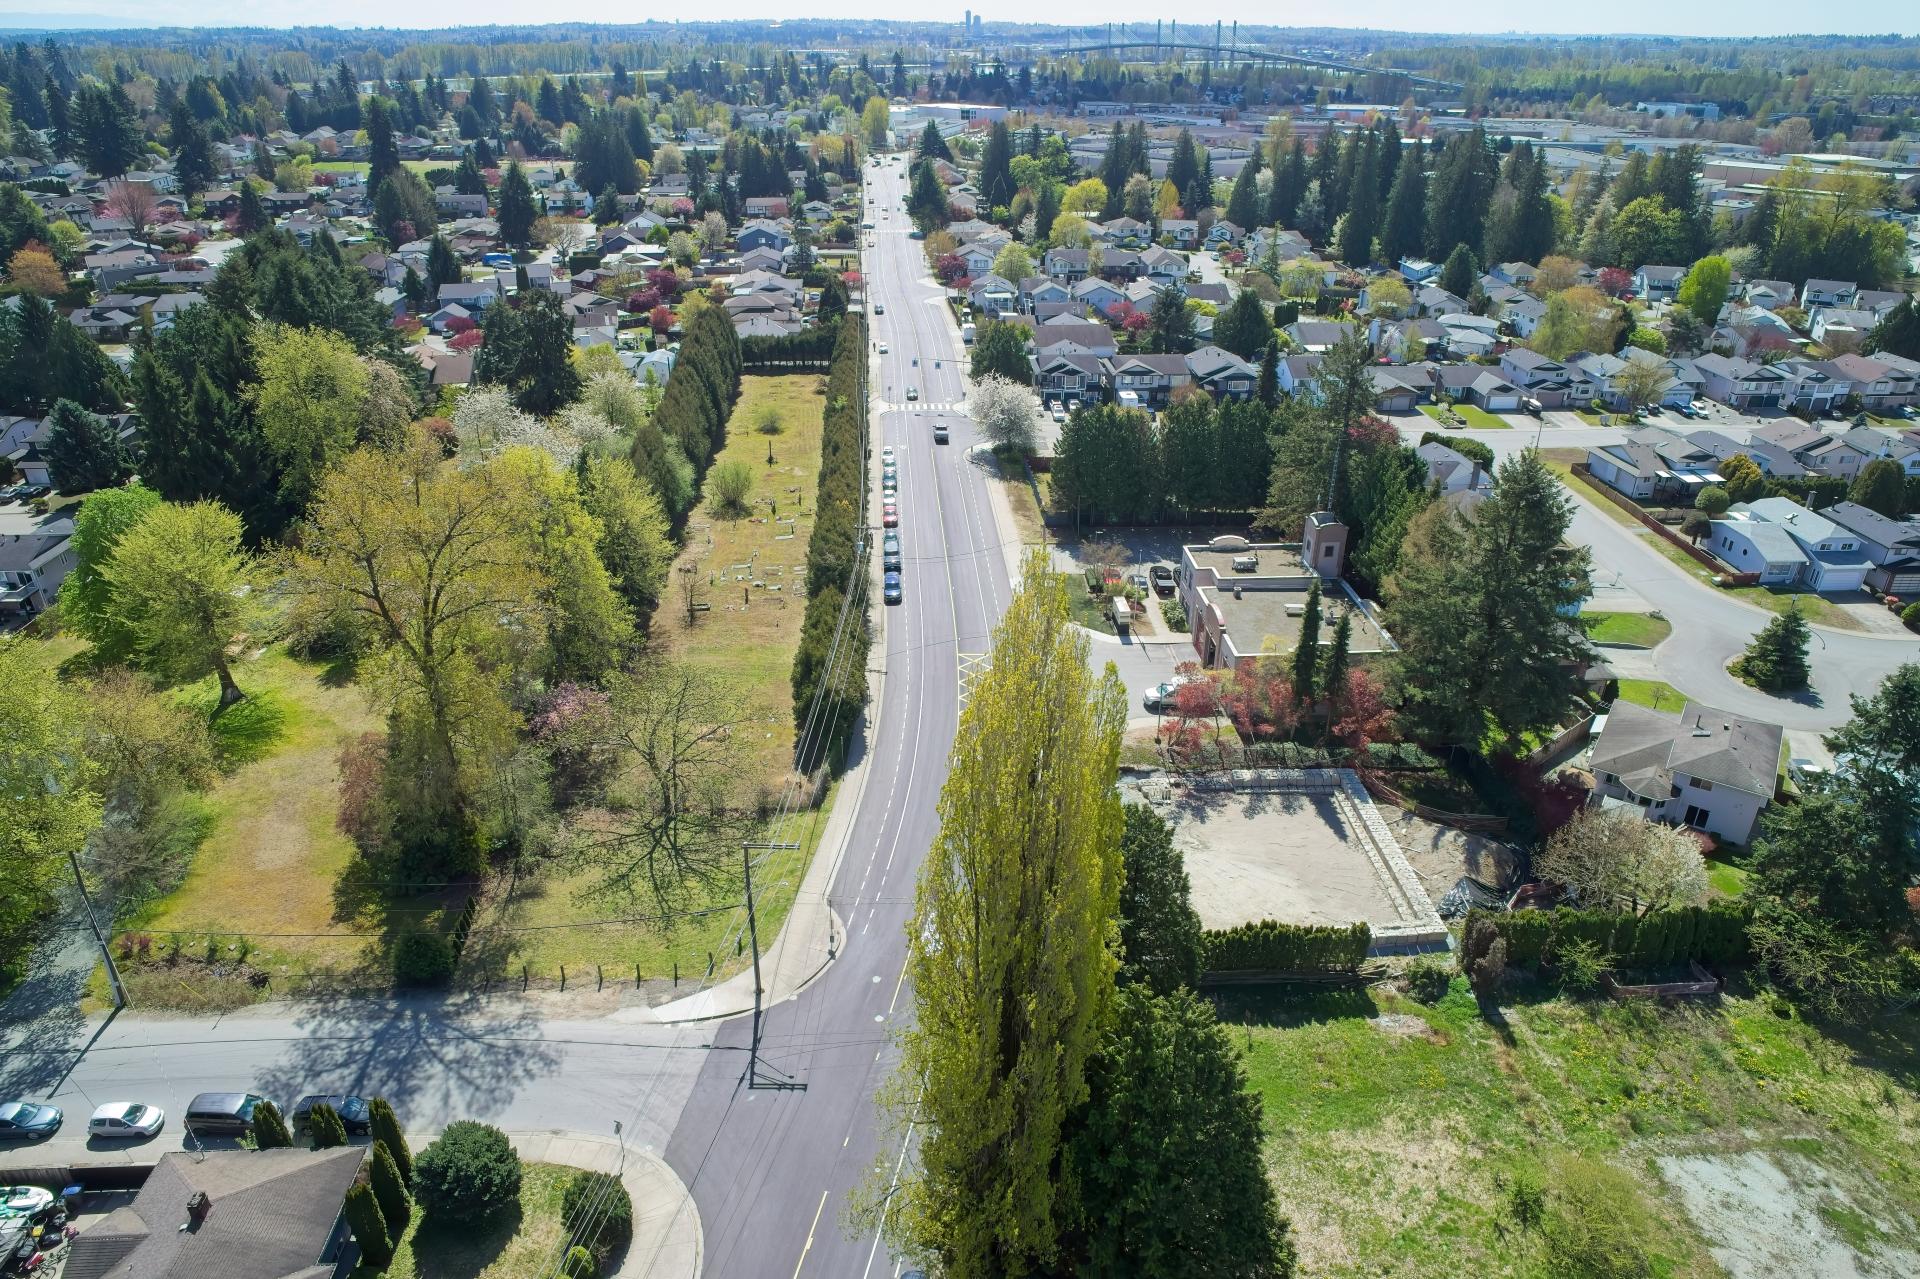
(211, 1114)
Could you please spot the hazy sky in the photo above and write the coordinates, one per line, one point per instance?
(1689, 17)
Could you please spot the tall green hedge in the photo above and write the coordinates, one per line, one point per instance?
(701, 391)
(786, 352)
(1716, 935)
(839, 511)
(1293, 948)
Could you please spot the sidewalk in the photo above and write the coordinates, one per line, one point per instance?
(667, 1239)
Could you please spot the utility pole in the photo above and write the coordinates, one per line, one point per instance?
(113, 971)
(747, 850)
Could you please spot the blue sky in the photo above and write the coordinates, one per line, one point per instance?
(1694, 17)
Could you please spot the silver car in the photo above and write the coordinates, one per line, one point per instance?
(126, 1119)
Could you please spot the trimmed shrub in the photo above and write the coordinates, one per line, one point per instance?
(598, 1210)
(269, 1128)
(1715, 935)
(369, 1226)
(323, 1123)
(579, 1264)
(1428, 980)
(384, 1176)
(422, 959)
(1294, 948)
(469, 1172)
(386, 1128)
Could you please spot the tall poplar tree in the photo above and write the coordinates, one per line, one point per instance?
(1012, 949)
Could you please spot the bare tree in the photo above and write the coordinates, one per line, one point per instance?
(135, 202)
(671, 829)
(1607, 857)
(567, 236)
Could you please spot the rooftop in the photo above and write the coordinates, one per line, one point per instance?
(1645, 748)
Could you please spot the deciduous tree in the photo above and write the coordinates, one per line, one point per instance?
(1610, 859)
(184, 585)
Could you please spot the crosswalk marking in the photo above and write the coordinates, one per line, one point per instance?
(921, 406)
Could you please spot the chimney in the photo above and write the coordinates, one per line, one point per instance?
(198, 1205)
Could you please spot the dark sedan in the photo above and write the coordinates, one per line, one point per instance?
(353, 1111)
(892, 588)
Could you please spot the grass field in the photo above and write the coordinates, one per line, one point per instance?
(509, 1245)
(1652, 693)
(1626, 628)
(1561, 466)
(360, 166)
(1396, 1130)
(1472, 419)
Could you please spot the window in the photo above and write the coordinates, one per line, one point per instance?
(1697, 817)
(1700, 783)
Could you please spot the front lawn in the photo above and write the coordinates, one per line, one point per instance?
(1626, 628)
(1397, 1131)
(1652, 693)
(521, 1241)
(1471, 418)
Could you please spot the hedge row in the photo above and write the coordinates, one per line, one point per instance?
(1715, 935)
(1292, 948)
(700, 393)
(781, 351)
(838, 515)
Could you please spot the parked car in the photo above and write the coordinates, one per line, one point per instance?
(28, 1120)
(890, 517)
(886, 454)
(879, 308)
(883, 348)
(1138, 581)
(354, 1113)
(891, 587)
(890, 553)
(216, 1114)
(1162, 578)
(1160, 696)
(126, 1119)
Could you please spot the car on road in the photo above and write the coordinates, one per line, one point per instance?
(879, 308)
(355, 1116)
(1160, 696)
(890, 553)
(126, 1119)
(890, 588)
(883, 348)
(221, 1113)
(886, 454)
(28, 1120)
(913, 393)
(939, 432)
(24, 1201)
(1162, 578)
(890, 516)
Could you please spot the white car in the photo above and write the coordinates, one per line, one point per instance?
(24, 1200)
(883, 348)
(1161, 696)
(126, 1119)
(886, 454)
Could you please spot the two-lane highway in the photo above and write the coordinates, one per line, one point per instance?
(772, 1167)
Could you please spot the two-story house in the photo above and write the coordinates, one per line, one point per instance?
(1827, 293)
(1148, 381)
(1892, 545)
(1707, 769)
(1658, 283)
(1881, 380)
(1743, 384)
(1834, 557)
(36, 554)
(1066, 266)
(1221, 373)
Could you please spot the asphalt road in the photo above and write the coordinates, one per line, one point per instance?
(772, 1167)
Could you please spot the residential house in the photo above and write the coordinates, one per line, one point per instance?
(1882, 381)
(1748, 332)
(1431, 299)
(1770, 294)
(1318, 335)
(1653, 463)
(1122, 232)
(36, 554)
(1295, 373)
(1407, 341)
(1522, 314)
(994, 295)
(1758, 547)
(1474, 384)
(978, 258)
(168, 307)
(1468, 336)
(1452, 471)
(1835, 558)
(1828, 325)
(476, 296)
(235, 1214)
(1518, 274)
(1814, 449)
(1552, 383)
(1819, 386)
(1658, 283)
(816, 211)
(1069, 373)
(460, 204)
(763, 234)
(1065, 266)
(656, 365)
(764, 206)
(1182, 233)
(1150, 380)
(444, 366)
(1222, 374)
(1875, 445)
(1095, 338)
(1162, 266)
(1417, 271)
(1246, 601)
(1743, 384)
(1036, 289)
(1396, 390)
(1816, 293)
(1770, 458)
(1892, 545)
(1097, 293)
(1224, 234)
(1706, 769)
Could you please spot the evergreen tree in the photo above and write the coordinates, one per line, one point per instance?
(1479, 603)
(370, 1229)
(927, 197)
(269, 1129)
(1461, 272)
(932, 146)
(467, 179)
(385, 1128)
(1776, 658)
(442, 266)
(1898, 332)
(1243, 205)
(1244, 327)
(64, 139)
(325, 1127)
(383, 155)
(527, 349)
(251, 216)
(1363, 206)
(388, 1186)
(996, 172)
(1289, 184)
(1166, 1157)
(1403, 226)
(1880, 486)
(107, 128)
(1306, 656)
(1184, 165)
(1268, 390)
(1522, 225)
(84, 451)
(1161, 944)
(1170, 328)
(517, 210)
(999, 350)
(1459, 196)
(192, 153)
(1333, 672)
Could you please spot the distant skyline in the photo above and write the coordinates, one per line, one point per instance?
(1474, 17)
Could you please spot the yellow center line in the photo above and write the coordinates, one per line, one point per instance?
(808, 1247)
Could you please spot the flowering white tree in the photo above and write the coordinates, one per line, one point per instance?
(486, 423)
(1005, 412)
(1612, 858)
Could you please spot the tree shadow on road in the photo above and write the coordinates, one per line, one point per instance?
(42, 1031)
(462, 1055)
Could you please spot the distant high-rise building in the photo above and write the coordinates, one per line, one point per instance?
(967, 23)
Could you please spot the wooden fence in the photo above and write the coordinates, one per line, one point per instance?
(1486, 823)
(1704, 985)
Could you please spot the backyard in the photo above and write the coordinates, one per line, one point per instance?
(1399, 1132)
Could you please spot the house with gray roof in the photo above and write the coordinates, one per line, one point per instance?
(1835, 559)
(227, 1214)
(1705, 769)
(1892, 545)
